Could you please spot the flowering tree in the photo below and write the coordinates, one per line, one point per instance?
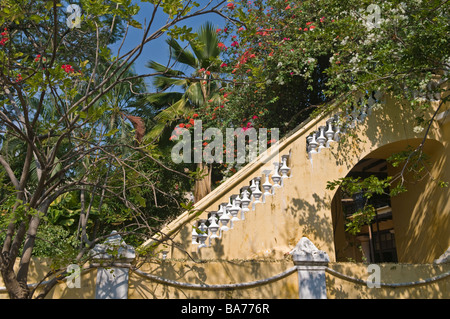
(291, 58)
(348, 47)
(56, 77)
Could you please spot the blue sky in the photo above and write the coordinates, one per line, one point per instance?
(158, 50)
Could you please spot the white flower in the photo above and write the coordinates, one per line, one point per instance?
(418, 129)
(279, 65)
(355, 59)
(377, 106)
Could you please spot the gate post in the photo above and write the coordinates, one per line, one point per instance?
(311, 263)
(112, 282)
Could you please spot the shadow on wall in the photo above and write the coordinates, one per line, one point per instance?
(214, 273)
(422, 214)
(314, 226)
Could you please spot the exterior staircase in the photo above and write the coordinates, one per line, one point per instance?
(266, 207)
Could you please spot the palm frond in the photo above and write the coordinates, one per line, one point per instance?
(158, 67)
(163, 82)
(194, 94)
(181, 55)
(163, 99)
(206, 47)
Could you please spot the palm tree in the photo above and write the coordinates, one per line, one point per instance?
(196, 89)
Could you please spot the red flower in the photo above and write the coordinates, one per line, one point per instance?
(195, 115)
(230, 6)
(288, 7)
(181, 125)
(222, 46)
(223, 65)
(67, 68)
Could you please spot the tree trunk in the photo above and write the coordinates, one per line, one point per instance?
(15, 290)
(203, 186)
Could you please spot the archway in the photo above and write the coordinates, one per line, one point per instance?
(406, 228)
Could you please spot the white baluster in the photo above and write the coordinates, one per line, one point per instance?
(256, 194)
(212, 217)
(203, 235)
(233, 210)
(245, 201)
(266, 186)
(237, 200)
(329, 134)
(337, 130)
(224, 219)
(194, 236)
(321, 139)
(313, 144)
(220, 211)
(213, 227)
(252, 185)
(308, 144)
(284, 169)
(276, 178)
(227, 208)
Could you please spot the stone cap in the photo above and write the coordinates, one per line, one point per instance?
(306, 253)
(444, 258)
(114, 248)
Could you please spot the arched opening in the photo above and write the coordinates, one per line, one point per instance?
(375, 242)
(411, 227)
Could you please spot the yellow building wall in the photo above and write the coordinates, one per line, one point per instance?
(240, 271)
(390, 273)
(215, 273)
(303, 206)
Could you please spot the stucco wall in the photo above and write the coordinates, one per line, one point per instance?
(245, 271)
(303, 206)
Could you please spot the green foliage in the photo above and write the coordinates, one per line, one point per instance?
(288, 58)
(367, 187)
(363, 217)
